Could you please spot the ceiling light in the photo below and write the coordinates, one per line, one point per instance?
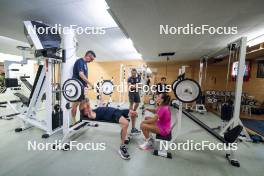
(10, 57)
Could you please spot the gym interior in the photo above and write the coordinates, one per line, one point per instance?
(119, 87)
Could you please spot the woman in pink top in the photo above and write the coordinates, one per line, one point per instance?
(160, 123)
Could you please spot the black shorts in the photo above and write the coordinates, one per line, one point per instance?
(134, 97)
(119, 113)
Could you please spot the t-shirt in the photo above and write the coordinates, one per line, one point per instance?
(105, 114)
(80, 65)
(164, 121)
(134, 81)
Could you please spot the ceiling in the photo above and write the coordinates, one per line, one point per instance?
(113, 45)
(142, 18)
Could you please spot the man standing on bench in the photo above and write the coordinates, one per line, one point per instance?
(80, 72)
(112, 115)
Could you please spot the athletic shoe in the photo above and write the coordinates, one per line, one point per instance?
(147, 145)
(135, 132)
(123, 152)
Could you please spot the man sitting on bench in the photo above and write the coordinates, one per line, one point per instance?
(112, 115)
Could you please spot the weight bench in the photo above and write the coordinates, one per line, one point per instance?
(80, 126)
(23, 98)
(157, 150)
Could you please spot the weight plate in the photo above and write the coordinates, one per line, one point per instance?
(251, 103)
(152, 102)
(210, 100)
(174, 84)
(213, 92)
(107, 87)
(208, 92)
(72, 90)
(187, 90)
(174, 101)
(98, 87)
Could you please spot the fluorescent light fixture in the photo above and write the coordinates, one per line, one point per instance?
(10, 41)
(99, 15)
(130, 41)
(125, 45)
(10, 57)
(255, 41)
(136, 55)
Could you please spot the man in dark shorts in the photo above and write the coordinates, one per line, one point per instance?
(134, 97)
(80, 72)
(112, 115)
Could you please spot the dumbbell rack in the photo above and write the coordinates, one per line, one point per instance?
(214, 98)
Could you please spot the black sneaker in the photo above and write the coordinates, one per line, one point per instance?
(135, 132)
(123, 152)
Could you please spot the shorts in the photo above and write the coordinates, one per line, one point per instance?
(134, 97)
(119, 113)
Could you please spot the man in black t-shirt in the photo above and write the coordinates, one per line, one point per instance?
(112, 115)
(134, 97)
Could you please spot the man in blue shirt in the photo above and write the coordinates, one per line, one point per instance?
(80, 72)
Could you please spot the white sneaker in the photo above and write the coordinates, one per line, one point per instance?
(147, 145)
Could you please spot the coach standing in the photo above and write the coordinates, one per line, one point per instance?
(80, 72)
(134, 97)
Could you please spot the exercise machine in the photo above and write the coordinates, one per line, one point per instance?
(16, 84)
(44, 93)
(187, 91)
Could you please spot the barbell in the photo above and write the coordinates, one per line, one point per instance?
(73, 89)
(185, 90)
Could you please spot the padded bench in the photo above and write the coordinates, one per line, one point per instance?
(23, 98)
